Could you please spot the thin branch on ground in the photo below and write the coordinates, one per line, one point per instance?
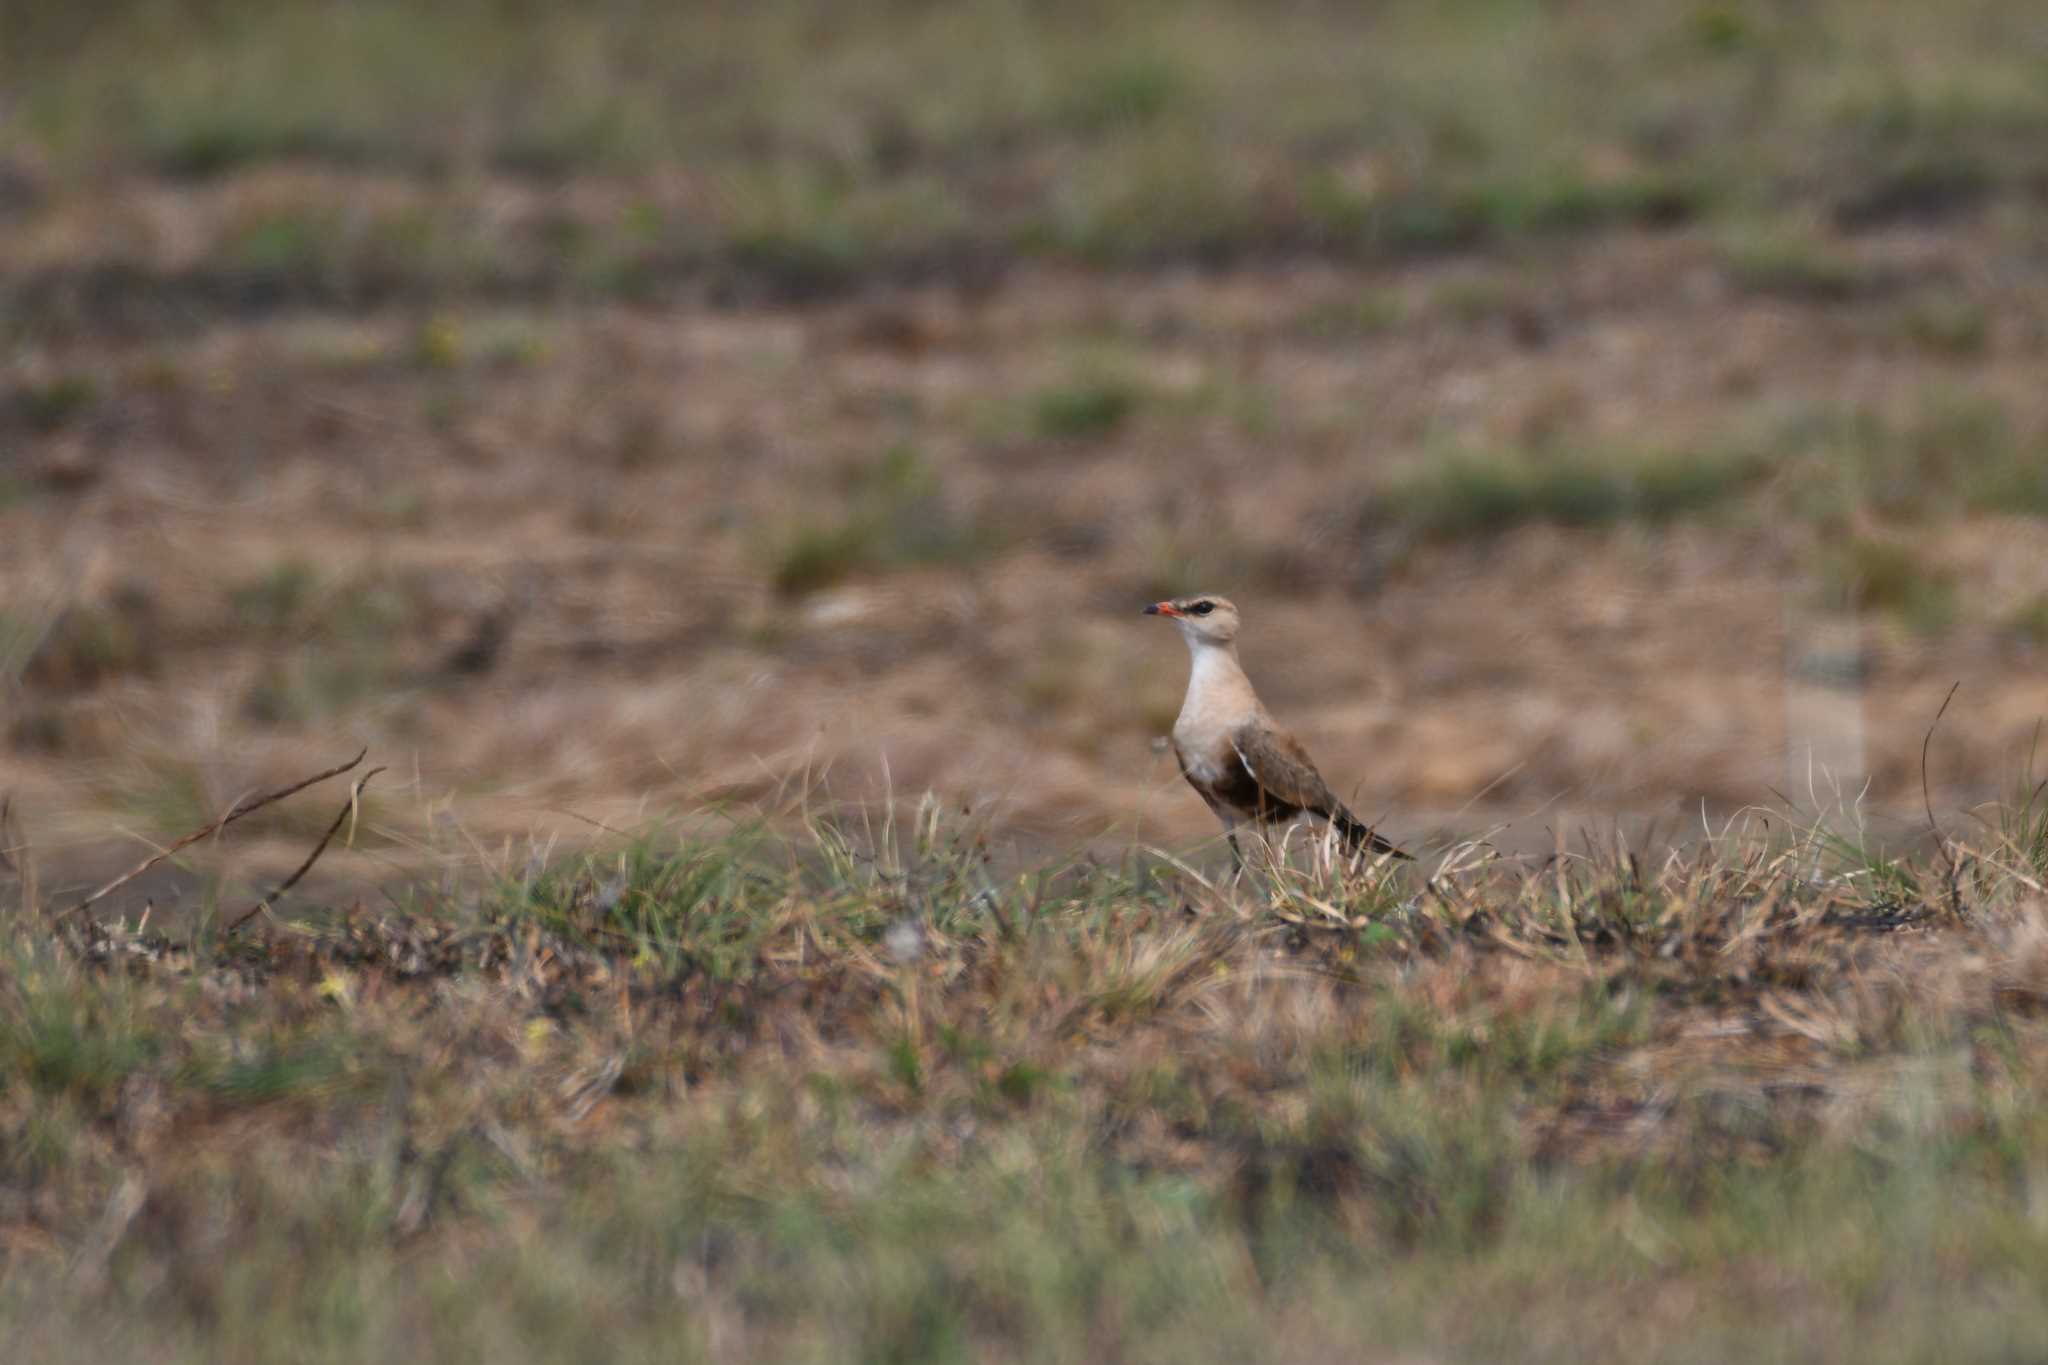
(348, 808)
(245, 806)
(1948, 857)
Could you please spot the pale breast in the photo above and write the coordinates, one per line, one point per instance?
(1203, 742)
(1201, 765)
(1219, 699)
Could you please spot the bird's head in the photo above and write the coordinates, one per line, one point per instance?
(1204, 618)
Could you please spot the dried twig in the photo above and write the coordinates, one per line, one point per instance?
(348, 808)
(1948, 857)
(235, 812)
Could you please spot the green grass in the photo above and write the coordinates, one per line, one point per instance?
(2030, 621)
(65, 1037)
(1795, 265)
(904, 140)
(56, 402)
(1948, 325)
(1088, 408)
(1955, 452)
(893, 514)
(695, 1095)
(276, 599)
(1887, 576)
(1463, 495)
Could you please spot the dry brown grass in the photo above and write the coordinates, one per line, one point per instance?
(909, 1090)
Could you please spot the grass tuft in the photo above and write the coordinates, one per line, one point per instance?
(1087, 409)
(1887, 576)
(895, 515)
(1793, 265)
(1463, 495)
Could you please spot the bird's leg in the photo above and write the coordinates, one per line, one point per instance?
(1236, 853)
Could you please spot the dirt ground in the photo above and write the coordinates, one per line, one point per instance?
(574, 564)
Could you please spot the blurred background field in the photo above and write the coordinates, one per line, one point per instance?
(676, 438)
(1602, 411)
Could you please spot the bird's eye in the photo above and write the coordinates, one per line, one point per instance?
(1202, 608)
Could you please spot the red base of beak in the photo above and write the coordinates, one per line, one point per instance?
(1160, 609)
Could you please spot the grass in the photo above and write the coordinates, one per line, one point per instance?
(1467, 494)
(1883, 575)
(1954, 452)
(1085, 409)
(56, 402)
(894, 515)
(1950, 325)
(712, 1096)
(2030, 621)
(907, 140)
(277, 598)
(1796, 265)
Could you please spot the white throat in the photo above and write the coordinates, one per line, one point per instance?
(1206, 656)
(1214, 675)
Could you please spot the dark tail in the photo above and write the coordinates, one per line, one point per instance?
(1359, 835)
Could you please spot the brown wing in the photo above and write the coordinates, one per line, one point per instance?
(1287, 779)
(1287, 782)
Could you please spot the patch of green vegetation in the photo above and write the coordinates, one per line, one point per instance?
(2030, 622)
(1948, 324)
(1157, 197)
(1371, 313)
(247, 1071)
(1565, 202)
(1883, 575)
(1472, 299)
(438, 343)
(1794, 265)
(1917, 186)
(167, 797)
(56, 402)
(317, 683)
(285, 243)
(277, 599)
(811, 257)
(1124, 92)
(1721, 29)
(65, 1034)
(1461, 212)
(1465, 494)
(895, 514)
(339, 642)
(708, 904)
(1957, 453)
(322, 246)
(1088, 408)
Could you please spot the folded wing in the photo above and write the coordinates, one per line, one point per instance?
(1288, 781)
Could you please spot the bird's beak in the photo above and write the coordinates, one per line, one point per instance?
(1161, 609)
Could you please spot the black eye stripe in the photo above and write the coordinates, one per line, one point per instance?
(1202, 608)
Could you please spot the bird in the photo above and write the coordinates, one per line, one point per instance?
(1230, 749)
